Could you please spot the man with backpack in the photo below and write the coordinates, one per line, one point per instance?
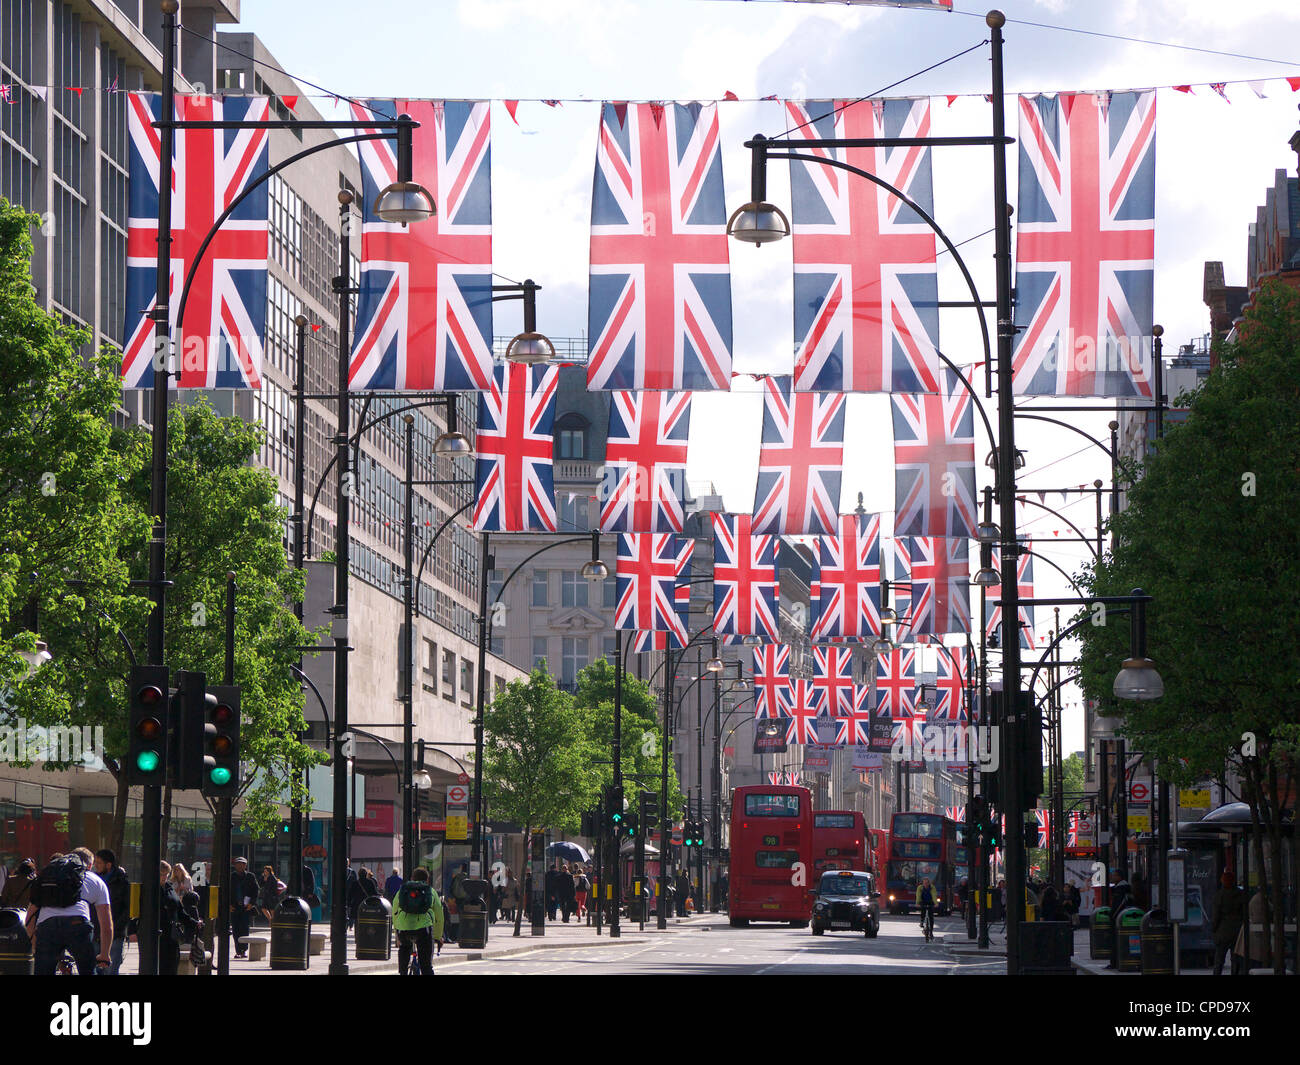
(62, 897)
(418, 919)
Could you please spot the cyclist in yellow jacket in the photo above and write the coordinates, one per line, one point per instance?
(418, 919)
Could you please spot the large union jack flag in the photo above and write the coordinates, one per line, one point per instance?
(951, 702)
(803, 709)
(644, 486)
(1044, 819)
(771, 680)
(833, 678)
(660, 300)
(1085, 244)
(744, 579)
(848, 586)
(854, 728)
(648, 568)
(933, 593)
(955, 813)
(223, 334)
(800, 461)
(1025, 586)
(514, 474)
(934, 462)
(896, 684)
(424, 314)
(866, 315)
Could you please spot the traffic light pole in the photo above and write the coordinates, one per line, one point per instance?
(614, 877)
(299, 495)
(222, 828)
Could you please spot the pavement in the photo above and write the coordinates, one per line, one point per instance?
(1081, 960)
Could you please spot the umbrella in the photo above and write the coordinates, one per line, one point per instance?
(569, 852)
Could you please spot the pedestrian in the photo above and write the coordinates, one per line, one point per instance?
(724, 885)
(393, 884)
(243, 904)
(418, 919)
(1138, 893)
(564, 888)
(999, 901)
(181, 880)
(683, 891)
(309, 886)
(354, 894)
(553, 876)
(177, 924)
(269, 889)
(1121, 898)
(17, 892)
(58, 915)
(1252, 946)
(528, 892)
(119, 903)
(1049, 905)
(510, 895)
(1229, 912)
(581, 887)
(963, 892)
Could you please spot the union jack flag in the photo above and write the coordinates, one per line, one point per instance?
(744, 579)
(951, 702)
(909, 741)
(1072, 829)
(800, 461)
(896, 684)
(955, 813)
(933, 593)
(1044, 819)
(865, 279)
(660, 300)
(833, 678)
(1025, 590)
(514, 475)
(771, 680)
(648, 568)
(848, 586)
(1085, 245)
(777, 776)
(854, 728)
(222, 338)
(644, 486)
(424, 314)
(934, 463)
(803, 709)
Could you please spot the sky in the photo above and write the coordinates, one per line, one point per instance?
(1214, 161)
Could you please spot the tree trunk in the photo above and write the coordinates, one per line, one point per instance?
(117, 834)
(523, 879)
(1254, 801)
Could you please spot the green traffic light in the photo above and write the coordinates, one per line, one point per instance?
(146, 761)
(220, 776)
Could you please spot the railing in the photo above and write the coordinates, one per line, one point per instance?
(567, 349)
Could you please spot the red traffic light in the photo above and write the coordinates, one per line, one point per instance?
(223, 715)
(149, 695)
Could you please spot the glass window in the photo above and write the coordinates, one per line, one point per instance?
(757, 805)
(539, 651)
(449, 674)
(540, 589)
(573, 659)
(834, 884)
(466, 681)
(917, 826)
(611, 649)
(833, 820)
(571, 437)
(573, 588)
(430, 670)
(609, 592)
(775, 859)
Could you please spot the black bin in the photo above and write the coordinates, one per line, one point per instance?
(16, 957)
(291, 934)
(473, 915)
(1045, 948)
(1157, 944)
(1100, 939)
(374, 929)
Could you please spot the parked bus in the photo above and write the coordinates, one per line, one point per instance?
(771, 855)
(839, 841)
(920, 846)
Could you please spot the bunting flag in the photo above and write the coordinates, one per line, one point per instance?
(771, 680)
(848, 592)
(896, 684)
(644, 488)
(1072, 829)
(933, 586)
(934, 462)
(514, 473)
(1044, 819)
(951, 702)
(955, 813)
(222, 338)
(744, 579)
(908, 741)
(1085, 245)
(424, 313)
(833, 679)
(648, 568)
(659, 314)
(1025, 590)
(854, 728)
(800, 461)
(866, 285)
(803, 709)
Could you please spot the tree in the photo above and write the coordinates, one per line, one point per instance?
(1211, 533)
(537, 759)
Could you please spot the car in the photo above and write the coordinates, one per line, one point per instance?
(847, 901)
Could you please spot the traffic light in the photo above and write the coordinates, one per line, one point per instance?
(993, 830)
(630, 824)
(221, 743)
(649, 810)
(190, 708)
(614, 805)
(697, 833)
(147, 694)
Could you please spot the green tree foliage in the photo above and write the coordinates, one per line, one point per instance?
(1212, 532)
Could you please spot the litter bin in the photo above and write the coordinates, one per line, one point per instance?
(1045, 948)
(16, 957)
(1128, 957)
(291, 934)
(473, 915)
(1157, 944)
(374, 932)
(1099, 935)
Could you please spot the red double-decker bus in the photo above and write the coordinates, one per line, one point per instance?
(921, 846)
(839, 841)
(771, 855)
(879, 852)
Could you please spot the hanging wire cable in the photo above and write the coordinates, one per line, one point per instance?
(891, 85)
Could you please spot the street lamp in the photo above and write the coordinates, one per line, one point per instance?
(715, 664)
(758, 222)
(529, 347)
(404, 201)
(991, 460)
(1137, 678)
(452, 443)
(595, 569)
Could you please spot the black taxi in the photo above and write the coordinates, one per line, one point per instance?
(847, 901)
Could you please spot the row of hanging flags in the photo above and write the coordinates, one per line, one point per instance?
(660, 307)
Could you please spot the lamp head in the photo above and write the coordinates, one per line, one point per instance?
(452, 444)
(405, 202)
(758, 222)
(1138, 680)
(595, 570)
(987, 577)
(530, 349)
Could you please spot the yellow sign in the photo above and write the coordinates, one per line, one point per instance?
(1139, 822)
(1196, 798)
(457, 826)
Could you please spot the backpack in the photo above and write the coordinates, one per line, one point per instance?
(59, 883)
(416, 897)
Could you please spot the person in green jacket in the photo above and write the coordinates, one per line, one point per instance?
(418, 918)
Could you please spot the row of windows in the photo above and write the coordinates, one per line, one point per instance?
(575, 589)
(575, 656)
(438, 673)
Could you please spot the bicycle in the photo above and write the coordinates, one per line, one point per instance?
(928, 923)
